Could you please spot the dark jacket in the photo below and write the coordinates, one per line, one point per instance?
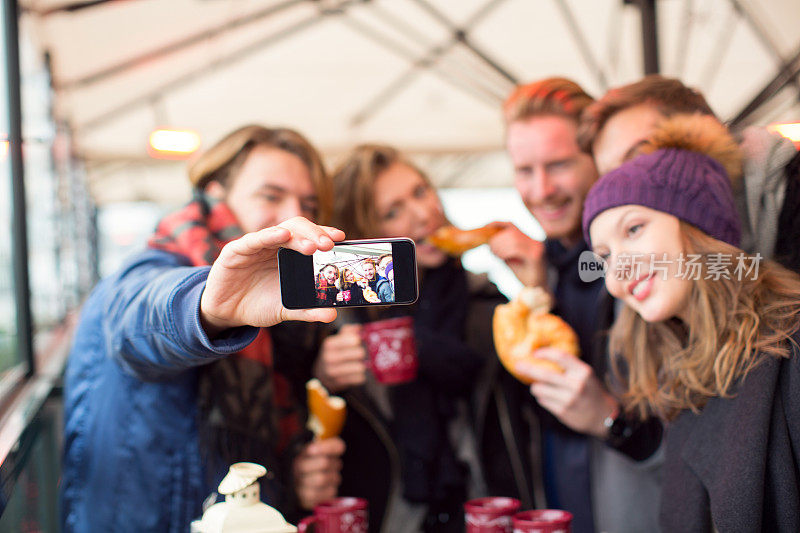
(787, 244)
(734, 466)
(412, 454)
(356, 295)
(326, 295)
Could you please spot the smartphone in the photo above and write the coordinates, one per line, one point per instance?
(358, 273)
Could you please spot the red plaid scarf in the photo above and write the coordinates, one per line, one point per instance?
(241, 394)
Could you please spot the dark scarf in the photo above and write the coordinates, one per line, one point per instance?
(245, 407)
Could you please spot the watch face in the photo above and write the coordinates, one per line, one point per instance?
(618, 426)
(619, 430)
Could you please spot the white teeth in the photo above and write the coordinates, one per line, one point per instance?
(637, 289)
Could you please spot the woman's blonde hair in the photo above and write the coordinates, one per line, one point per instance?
(343, 283)
(354, 188)
(733, 323)
(223, 161)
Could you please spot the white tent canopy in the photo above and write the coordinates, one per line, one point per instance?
(428, 76)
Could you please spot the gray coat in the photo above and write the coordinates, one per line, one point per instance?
(734, 466)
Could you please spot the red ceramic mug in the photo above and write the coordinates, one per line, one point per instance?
(339, 515)
(490, 515)
(392, 349)
(543, 521)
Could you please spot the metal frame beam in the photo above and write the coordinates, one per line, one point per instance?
(720, 48)
(787, 74)
(19, 226)
(458, 79)
(428, 60)
(462, 34)
(68, 8)
(223, 61)
(582, 44)
(464, 70)
(684, 37)
(762, 34)
(177, 46)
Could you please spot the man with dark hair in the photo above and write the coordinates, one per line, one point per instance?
(578, 460)
(615, 126)
(619, 121)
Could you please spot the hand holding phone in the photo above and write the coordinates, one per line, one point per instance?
(351, 274)
(243, 285)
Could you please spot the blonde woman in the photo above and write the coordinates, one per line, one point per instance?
(351, 292)
(402, 453)
(708, 337)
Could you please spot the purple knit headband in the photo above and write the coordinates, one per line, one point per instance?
(689, 185)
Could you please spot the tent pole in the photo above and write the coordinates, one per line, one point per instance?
(649, 36)
(19, 223)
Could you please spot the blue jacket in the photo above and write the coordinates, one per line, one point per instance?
(383, 287)
(131, 454)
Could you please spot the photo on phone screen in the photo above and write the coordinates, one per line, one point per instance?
(353, 273)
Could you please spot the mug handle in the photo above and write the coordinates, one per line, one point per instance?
(307, 525)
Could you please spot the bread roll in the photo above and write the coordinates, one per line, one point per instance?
(326, 414)
(524, 325)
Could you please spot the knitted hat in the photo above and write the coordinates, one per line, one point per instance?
(685, 181)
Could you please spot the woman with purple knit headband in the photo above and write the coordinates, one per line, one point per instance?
(708, 338)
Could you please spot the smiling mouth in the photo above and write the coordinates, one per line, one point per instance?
(640, 288)
(553, 208)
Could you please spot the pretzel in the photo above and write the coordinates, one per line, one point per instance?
(524, 325)
(455, 242)
(326, 413)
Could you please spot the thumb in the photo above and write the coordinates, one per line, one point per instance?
(332, 446)
(351, 329)
(562, 358)
(309, 315)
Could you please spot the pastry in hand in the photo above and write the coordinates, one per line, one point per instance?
(326, 413)
(524, 325)
(371, 296)
(455, 241)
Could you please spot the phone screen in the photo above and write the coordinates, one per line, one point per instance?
(353, 273)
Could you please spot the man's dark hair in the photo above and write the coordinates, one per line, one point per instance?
(668, 95)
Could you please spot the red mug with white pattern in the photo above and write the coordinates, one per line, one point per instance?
(543, 521)
(392, 349)
(339, 515)
(490, 515)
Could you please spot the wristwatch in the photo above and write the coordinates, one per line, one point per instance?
(619, 429)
